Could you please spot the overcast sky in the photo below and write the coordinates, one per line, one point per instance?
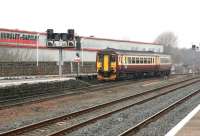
(137, 20)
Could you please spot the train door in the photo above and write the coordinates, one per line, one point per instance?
(106, 62)
(113, 62)
(99, 62)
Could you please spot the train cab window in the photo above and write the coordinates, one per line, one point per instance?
(100, 58)
(133, 60)
(112, 58)
(141, 60)
(137, 60)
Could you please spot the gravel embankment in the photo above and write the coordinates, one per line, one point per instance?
(119, 122)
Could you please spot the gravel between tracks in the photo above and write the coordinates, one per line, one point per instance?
(163, 125)
(119, 122)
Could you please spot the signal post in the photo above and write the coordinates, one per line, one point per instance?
(60, 41)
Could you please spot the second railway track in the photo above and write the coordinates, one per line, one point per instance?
(75, 120)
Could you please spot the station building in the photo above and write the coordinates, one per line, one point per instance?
(30, 43)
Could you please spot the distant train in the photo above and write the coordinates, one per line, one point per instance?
(113, 64)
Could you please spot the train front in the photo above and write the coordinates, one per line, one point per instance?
(106, 63)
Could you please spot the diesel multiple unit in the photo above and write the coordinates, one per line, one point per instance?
(114, 64)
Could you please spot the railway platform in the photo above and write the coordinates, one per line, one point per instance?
(189, 126)
(18, 80)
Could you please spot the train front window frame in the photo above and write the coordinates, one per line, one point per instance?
(100, 58)
(112, 58)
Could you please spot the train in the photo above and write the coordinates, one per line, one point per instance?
(114, 64)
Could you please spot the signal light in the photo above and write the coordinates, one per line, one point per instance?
(70, 43)
(70, 34)
(56, 36)
(63, 36)
(50, 34)
(61, 39)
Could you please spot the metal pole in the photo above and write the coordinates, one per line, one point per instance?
(193, 62)
(37, 49)
(60, 62)
(82, 54)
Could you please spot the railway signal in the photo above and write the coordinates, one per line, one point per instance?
(60, 40)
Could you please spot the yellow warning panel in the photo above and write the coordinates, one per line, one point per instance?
(105, 63)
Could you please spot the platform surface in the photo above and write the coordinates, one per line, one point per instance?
(18, 80)
(189, 126)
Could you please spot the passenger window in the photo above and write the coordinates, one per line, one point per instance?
(141, 60)
(133, 60)
(145, 60)
(148, 60)
(137, 60)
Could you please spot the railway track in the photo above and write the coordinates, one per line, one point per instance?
(70, 122)
(133, 130)
(54, 93)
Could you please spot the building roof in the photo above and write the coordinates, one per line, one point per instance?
(22, 31)
(85, 37)
(116, 40)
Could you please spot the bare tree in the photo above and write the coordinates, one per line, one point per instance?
(168, 39)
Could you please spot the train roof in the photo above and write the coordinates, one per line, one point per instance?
(130, 52)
